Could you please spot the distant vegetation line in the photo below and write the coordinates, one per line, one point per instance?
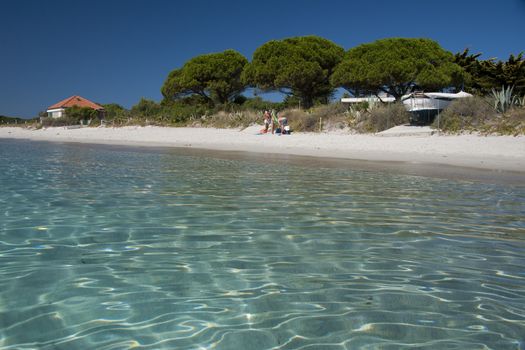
(208, 89)
(11, 120)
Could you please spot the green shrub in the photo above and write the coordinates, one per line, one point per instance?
(62, 121)
(381, 117)
(148, 112)
(78, 115)
(300, 120)
(468, 114)
(239, 119)
(73, 116)
(179, 114)
(477, 114)
(145, 108)
(113, 111)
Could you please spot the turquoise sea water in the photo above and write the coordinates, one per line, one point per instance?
(116, 248)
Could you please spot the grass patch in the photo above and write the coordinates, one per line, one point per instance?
(238, 119)
(465, 114)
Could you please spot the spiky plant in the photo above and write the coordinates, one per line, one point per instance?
(504, 99)
(520, 102)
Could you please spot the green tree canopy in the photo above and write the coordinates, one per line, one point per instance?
(215, 77)
(299, 66)
(510, 73)
(484, 75)
(395, 66)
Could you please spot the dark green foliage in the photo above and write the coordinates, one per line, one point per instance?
(148, 112)
(113, 110)
(484, 75)
(11, 120)
(299, 66)
(476, 78)
(216, 78)
(396, 66)
(63, 121)
(511, 73)
(77, 114)
(145, 108)
(180, 113)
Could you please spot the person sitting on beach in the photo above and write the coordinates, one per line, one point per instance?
(283, 125)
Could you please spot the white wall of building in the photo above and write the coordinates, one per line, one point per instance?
(56, 113)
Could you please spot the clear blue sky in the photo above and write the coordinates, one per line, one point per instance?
(121, 50)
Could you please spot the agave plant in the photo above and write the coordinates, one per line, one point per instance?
(520, 101)
(504, 99)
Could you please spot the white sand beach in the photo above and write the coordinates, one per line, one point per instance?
(503, 153)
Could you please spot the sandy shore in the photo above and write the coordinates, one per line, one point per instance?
(503, 153)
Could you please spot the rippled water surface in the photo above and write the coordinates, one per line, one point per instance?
(115, 248)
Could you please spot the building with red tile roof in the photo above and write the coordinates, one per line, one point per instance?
(57, 110)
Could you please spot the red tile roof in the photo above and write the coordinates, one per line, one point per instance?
(75, 101)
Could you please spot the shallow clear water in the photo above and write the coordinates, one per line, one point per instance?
(116, 248)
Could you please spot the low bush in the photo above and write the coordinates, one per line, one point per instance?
(300, 120)
(510, 123)
(81, 114)
(330, 110)
(146, 108)
(324, 117)
(477, 114)
(113, 110)
(379, 117)
(238, 119)
(62, 121)
(465, 114)
(179, 114)
(147, 112)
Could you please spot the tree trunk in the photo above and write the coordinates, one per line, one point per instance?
(306, 101)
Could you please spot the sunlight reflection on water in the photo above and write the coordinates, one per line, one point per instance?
(114, 248)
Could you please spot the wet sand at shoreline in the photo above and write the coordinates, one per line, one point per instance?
(489, 156)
